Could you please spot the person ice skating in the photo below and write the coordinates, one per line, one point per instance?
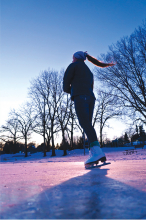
(78, 81)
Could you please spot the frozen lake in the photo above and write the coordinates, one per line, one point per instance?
(61, 188)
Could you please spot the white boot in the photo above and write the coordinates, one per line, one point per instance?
(95, 153)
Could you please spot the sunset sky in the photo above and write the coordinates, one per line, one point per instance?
(41, 34)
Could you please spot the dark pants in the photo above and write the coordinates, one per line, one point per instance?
(84, 106)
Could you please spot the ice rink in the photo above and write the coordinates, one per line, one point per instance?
(61, 188)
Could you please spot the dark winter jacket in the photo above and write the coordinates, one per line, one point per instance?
(78, 80)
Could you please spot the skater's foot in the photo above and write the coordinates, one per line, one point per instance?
(96, 165)
(95, 154)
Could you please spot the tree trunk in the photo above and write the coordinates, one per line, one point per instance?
(101, 144)
(48, 145)
(101, 122)
(64, 143)
(44, 123)
(44, 147)
(15, 145)
(72, 135)
(53, 148)
(26, 146)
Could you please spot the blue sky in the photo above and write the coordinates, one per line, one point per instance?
(41, 34)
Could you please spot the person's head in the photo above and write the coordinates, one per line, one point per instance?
(74, 59)
(79, 55)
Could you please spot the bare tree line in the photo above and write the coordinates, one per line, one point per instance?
(51, 111)
(127, 78)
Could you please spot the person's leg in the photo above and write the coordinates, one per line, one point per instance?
(91, 108)
(84, 106)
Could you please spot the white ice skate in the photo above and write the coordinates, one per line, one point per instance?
(95, 155)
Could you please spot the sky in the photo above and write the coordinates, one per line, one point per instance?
(36, 35)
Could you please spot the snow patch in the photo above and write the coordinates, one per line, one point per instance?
(77, 155)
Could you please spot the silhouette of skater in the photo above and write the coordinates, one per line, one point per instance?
(78, 81)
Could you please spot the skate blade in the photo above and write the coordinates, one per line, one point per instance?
(96, 165)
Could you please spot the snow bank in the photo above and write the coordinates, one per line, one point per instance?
(112, 154)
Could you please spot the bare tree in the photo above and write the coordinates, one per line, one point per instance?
(39, 92)
(25, 119)
(54, 104)
(106, 108)
(41, 124)
(46, 90)
(72, 125)
(128, 77)
(9, 131)
(63, 116)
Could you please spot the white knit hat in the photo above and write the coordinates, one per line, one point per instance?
(80, 55)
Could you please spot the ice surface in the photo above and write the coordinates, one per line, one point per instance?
(60, 187)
